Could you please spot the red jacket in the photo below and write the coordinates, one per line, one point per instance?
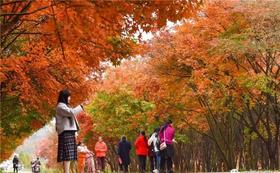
(141, 146)
(100, 149)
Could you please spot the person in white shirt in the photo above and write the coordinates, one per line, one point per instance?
(155, 143)
(86, 157)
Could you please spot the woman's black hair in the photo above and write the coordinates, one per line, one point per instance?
(169, 121)
(166, 125)
(157, 130)
(63, 96)
(144, 134)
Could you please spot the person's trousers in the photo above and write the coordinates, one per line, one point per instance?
(152, 163)
(169, 163)
(124, 168)
(157, 158)
(166, 158)
(155, 162)
(142, 163)
(101, 163)
(90, 164)
(16, 169)
(81, 162)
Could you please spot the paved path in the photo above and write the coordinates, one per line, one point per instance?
(24, 171)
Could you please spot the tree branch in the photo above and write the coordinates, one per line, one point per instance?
(57, 31)
(12, 2)
(34, 33)
(26, 13)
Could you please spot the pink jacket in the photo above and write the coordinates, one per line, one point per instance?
(169, 133)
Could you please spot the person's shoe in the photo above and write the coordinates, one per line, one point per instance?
(155, 171)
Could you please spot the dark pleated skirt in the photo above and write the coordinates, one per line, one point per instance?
(67, 147)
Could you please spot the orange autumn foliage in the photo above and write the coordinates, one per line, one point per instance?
(50, 45)
(209, 73)
(137, 77)
(63, 42)
(224, 62)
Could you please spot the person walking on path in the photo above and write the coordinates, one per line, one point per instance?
(166, 136)
(151, 156)
(15, 163)
(36, 165)
(81, 149)
(90, 162)
(66, 127)
(154, 144)
(100, 151)
(124, 148)
(85, 157)
(141, 145)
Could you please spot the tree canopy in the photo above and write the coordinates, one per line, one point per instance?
(216, 74)
(50, 45)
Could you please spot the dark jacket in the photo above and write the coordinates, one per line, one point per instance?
(15, 162)
(123, 151)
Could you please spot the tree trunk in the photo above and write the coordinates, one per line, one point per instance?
(272, 156)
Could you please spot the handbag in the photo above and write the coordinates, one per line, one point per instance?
(163, 144)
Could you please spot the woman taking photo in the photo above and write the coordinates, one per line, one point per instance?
(66, 126)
